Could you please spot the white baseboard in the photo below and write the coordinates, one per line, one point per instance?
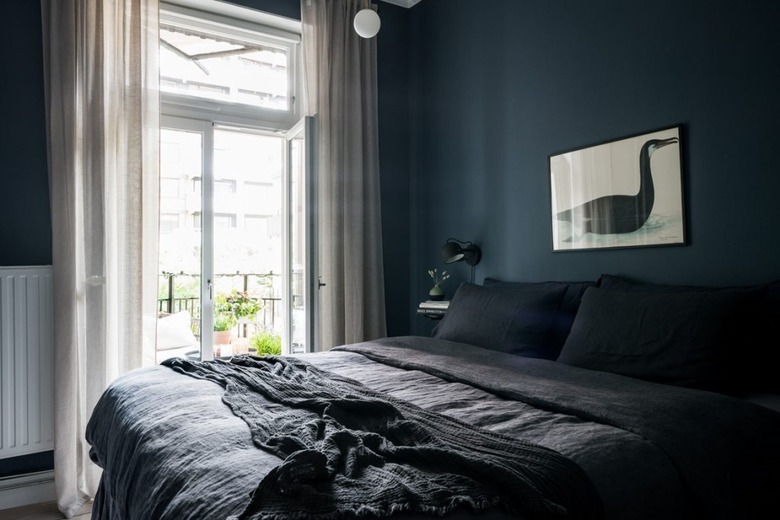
(23, 490)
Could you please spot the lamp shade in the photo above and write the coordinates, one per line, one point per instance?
(367, 23)
(455, 250)
(451, 252)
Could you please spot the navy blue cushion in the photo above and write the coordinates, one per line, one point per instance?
(509, 320)
(678, 338)
(564, 317)
(754, 355)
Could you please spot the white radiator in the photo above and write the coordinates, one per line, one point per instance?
(26, 364)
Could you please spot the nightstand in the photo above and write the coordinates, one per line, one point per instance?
(433, 310)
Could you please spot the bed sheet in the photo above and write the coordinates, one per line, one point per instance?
(171, 449)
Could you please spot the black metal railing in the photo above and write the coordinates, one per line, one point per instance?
(263, 290)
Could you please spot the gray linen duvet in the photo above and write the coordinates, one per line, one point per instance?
(171, 449)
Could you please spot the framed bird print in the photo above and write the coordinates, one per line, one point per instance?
(624, 193)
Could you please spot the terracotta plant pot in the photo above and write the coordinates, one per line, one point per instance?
(222, 337)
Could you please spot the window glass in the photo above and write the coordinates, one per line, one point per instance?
(224, 220)
(169, 222)
(169, 187)
(213, 67)
(224, 186)
(260, 193)
(256, 224)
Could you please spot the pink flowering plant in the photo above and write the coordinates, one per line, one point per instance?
(240, 305)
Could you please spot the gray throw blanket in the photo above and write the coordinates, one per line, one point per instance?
(349, 451)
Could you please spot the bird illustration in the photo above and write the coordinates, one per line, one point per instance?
(619, 213)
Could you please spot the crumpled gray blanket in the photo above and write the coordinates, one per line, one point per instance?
(349, 451)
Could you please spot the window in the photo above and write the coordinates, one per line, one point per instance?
(229, 90)
(224, 62)
(196, 63)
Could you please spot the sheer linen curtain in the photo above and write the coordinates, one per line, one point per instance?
(102, 105)
(341, 89)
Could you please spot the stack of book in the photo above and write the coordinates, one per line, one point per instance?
(433, 309)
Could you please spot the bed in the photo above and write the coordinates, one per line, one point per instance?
(608, 399)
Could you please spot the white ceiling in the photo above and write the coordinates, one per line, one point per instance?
(403, 3)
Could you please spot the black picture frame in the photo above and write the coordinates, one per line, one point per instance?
(619, 194)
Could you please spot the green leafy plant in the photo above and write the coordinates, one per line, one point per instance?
(266, 343)
(223, 322)
(239, 304)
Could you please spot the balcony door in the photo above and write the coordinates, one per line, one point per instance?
(234, 220)
(300, 281)
(235, 237)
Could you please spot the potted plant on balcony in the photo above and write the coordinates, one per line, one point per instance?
(243, 307)
(266, 343)
(230, 310)
(223, 327)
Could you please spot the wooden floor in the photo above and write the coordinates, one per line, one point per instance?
(46, 511)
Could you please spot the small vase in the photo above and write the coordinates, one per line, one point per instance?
(436, 293)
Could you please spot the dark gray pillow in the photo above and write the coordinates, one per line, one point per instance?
(509, 320)
(677, 338)
(564, 317)
(620, 283)
(754, 357)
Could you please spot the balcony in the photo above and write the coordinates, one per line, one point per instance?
(179, 294)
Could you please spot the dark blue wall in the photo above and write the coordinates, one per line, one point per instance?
(473, 98)
(25, 221)
(501, 84)
(25, 226)
(393, 53)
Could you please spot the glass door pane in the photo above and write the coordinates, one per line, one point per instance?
(298, 265)
(247, 242)
(179, 295)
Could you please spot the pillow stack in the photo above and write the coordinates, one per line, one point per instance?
(527, 319)
(564, 316)
(711, 338)
(697, 337)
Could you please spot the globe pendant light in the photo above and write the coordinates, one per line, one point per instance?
(367, 23)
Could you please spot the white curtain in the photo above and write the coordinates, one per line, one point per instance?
(341, 89)
(102, 104)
